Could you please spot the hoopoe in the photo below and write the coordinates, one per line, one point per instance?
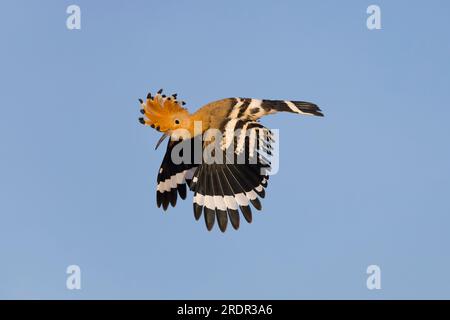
(220, 189)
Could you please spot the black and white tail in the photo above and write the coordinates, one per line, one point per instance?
(300, 107)
(252, 109)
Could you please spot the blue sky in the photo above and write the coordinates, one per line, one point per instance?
(367, 184)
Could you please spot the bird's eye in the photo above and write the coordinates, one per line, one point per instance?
(177, 121)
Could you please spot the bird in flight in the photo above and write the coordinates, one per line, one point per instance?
(220, 152)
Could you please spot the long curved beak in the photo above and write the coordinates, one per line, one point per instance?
(164, 136)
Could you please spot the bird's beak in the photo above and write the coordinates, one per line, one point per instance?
(164, 136)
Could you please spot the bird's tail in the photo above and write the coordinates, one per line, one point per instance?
(300, 107)
(246, 108)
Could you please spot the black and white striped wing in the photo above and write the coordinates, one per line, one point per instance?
(172, 179)
(221, 190)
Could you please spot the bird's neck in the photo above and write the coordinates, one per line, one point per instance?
(198, 123)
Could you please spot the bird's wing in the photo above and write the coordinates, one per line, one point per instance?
(243, 111)
(172, 177)
(221, 188)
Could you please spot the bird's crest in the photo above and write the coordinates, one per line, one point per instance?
(161, 109)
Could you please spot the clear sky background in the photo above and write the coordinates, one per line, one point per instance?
(367, 184)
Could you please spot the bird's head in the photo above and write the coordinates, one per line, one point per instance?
(165, 114)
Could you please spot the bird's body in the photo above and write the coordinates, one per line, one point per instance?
(236, 171)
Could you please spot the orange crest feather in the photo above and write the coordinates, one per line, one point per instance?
(160, 111)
